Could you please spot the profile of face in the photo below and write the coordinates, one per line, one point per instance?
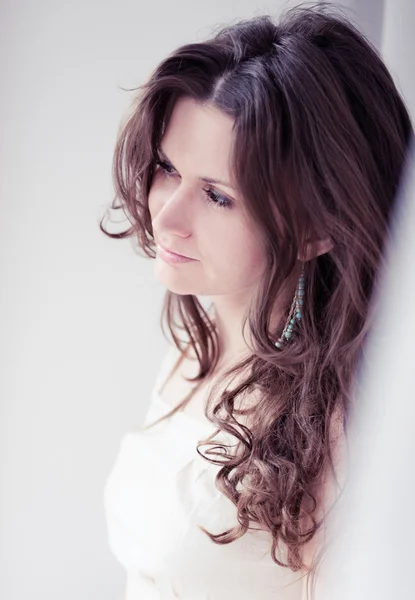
(196, 216)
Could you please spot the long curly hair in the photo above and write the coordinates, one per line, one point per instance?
(321, 136)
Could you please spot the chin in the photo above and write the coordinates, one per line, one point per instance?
(174, 281)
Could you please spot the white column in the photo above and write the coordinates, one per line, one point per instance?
(372, 558)
(398, 47)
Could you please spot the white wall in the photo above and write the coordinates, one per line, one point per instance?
(80, 341)
(372, 558)
(80, 336)
(368, 14)
(398, 46)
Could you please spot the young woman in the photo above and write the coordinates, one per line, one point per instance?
(259, 169)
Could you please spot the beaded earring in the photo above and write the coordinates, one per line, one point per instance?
(295, 311)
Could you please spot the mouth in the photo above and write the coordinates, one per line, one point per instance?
(174, 253)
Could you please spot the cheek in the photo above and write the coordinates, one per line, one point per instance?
(251, 252)
(254, 257)
(155, 202)
(152, 202)
(238, 253)
(156, 193)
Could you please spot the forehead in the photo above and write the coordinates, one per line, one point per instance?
(199, 138)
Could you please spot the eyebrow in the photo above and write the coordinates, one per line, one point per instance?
(164, 157)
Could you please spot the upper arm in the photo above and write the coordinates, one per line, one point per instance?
(327, 492)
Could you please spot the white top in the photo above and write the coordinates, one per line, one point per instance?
(159, 489)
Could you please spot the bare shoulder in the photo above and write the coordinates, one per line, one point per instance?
(329, 487)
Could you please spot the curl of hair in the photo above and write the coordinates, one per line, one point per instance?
(320, 136)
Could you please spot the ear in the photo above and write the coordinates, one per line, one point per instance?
(314, 248)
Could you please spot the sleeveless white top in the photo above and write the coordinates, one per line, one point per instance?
(156, 494)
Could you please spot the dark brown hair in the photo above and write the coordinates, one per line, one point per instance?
(321, 135)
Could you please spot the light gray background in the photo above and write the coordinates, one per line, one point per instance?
(80, 337)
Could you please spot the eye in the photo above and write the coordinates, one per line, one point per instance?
(164, 166)
(211, 197)
(217, 200)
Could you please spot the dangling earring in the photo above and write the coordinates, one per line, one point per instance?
(295, 311)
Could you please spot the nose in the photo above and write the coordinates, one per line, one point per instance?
(173, 216)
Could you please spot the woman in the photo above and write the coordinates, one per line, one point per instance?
(268, 157)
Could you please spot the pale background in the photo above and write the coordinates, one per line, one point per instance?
(80, 336)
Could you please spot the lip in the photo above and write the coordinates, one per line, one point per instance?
(172, 257)
(173, 253)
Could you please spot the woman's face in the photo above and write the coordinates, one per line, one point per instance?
(202, 220)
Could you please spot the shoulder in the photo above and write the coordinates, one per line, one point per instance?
(328, 488)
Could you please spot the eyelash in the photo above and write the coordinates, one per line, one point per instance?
(212, 197)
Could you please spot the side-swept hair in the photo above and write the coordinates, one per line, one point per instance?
(320, 137)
